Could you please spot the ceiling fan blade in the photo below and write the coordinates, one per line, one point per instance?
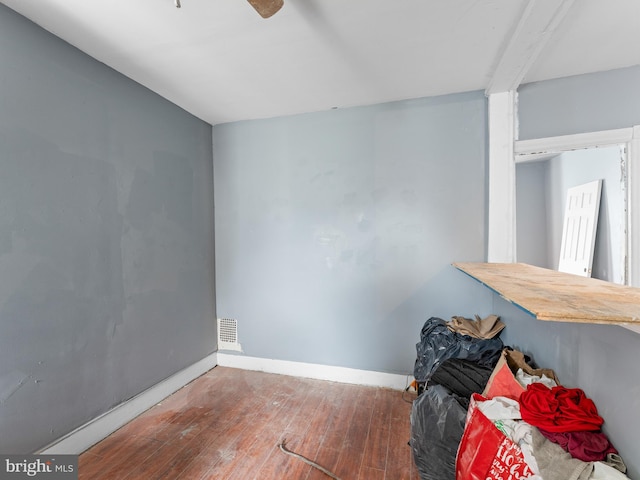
(266, 8)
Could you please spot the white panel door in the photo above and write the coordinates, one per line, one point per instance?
(579, 229)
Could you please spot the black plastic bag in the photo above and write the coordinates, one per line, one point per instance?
(437, 424)
(438, 343)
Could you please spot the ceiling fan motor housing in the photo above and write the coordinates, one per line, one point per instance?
(266, 8)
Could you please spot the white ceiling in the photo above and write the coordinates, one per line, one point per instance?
(221, 61)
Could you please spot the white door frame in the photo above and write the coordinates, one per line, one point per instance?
(502, 217)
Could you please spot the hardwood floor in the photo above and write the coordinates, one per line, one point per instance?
(228, 423)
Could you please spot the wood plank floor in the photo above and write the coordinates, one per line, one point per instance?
(228, 423)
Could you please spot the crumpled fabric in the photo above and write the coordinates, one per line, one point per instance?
(602, 471)
(523, 437)
(520, 433)
(556, 464)
(438, 343)
(500, 408)
(585, 446)
(525, 379)
(614, 460)
(517, 360)
(487, 327)
(559, 409)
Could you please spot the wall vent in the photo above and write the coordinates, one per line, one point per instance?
(228, 334)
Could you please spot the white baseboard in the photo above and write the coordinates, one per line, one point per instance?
(316, 371)
(99, 428)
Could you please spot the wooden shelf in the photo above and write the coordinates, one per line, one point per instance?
(559, 297)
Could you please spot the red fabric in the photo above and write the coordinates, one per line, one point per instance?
(585, 446)
(559, 409)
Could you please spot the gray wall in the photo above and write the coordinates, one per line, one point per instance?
(531, 214)
(335, 230)
(579, 104)
(602, 360)
(106, 237)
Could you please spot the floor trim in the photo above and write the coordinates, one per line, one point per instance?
(101, 427)
(316, 371)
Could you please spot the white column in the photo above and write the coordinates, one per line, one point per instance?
(502, 178)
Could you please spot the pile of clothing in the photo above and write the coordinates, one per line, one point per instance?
(556, 430)
(454, 360)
